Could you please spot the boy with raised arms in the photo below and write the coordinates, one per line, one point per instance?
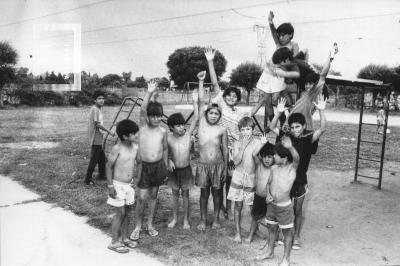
(153, 152)
(213, 158)
(179, 144)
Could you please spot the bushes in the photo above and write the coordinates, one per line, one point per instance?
(39, 98)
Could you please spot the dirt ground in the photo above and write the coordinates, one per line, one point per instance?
(346, 223)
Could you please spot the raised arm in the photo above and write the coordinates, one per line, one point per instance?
(280, 108)
(195, 97)
(321, 109)
(287, 74)
(257, 149)
(287, 143)
(151, 87)
(273, 29)
(210, 54)
(327, 65)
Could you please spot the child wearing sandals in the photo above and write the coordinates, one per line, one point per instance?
(179, 144)
(153, 152)
(264, 159)
(243, 178)
(119, 169)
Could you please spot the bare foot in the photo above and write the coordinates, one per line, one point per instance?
(268, 255)
(248, 240)
(172, 224)
(216, 225)
(284, 262)
(237, 239)
(202, 226)
(186, 225)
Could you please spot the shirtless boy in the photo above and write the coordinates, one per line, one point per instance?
(179, 144)
(153, 152)
(243, 178)
(280, 208)
(213, 158)
(119, 170)
(264, 158)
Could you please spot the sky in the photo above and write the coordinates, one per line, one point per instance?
(138, 35)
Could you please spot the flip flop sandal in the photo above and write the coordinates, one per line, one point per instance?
(296, 245)
(118, 247)
(130, 244)
(135, 235)
(152, 232)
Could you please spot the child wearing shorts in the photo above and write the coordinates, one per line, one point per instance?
(263, 157)
(119, 169)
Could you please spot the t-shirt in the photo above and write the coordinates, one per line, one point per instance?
(229, 119)
(95, 136)
(305, 147)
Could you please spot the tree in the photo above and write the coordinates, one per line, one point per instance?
(111, 80)
(140, 82)
(185, 63)
(377, 72)
(8, 59)
(127, 77)
(246, 75)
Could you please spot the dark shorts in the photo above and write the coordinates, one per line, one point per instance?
(210, 175)
(259, 209)
(280, 215)
(181, 178)
(153, 174)
(299, 191)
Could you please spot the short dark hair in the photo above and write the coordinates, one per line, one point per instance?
(155, 109)
(175, 119)
(267, 149)
(297, 118)
(98, 93)
(235, 90)
(285, 28)
(283, 152)
(126, 127)
(281, 55)
(246, 121)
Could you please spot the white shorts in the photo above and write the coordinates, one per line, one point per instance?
(269, 83)
(125, 195)
(242, 188)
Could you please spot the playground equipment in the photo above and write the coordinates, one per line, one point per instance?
(124, 112)
(364, 140)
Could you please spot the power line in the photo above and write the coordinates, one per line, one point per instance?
(55, 13)
(177, 17)
(168, 36)
(239, 29)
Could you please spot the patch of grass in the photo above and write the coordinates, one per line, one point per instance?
(57, 175)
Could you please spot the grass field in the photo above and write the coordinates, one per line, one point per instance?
(57, 173)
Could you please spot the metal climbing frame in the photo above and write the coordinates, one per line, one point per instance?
(127, 106)
(386, 89)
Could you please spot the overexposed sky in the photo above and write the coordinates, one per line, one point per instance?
(139, 35)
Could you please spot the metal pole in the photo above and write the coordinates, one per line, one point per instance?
(384, 137)
(359, 133)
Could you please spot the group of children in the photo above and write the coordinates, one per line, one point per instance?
(271, 179)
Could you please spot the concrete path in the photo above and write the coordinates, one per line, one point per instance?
(34, 233)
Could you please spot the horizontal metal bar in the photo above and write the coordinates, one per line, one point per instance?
(371, 177)
(369, 124)
(366, 159)
(373, 142)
